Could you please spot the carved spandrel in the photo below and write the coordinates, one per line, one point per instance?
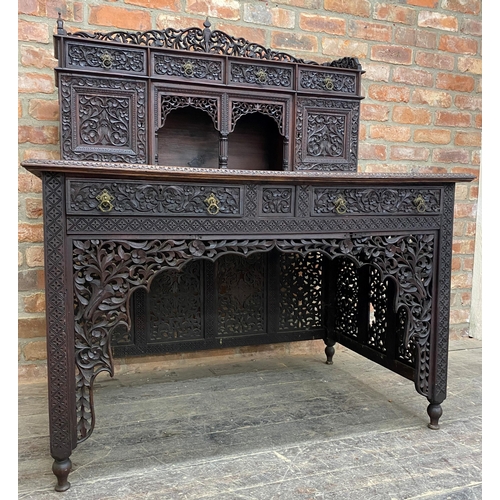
(170, 102)
(154, 198)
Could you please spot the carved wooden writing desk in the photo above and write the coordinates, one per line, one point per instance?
(142, 258)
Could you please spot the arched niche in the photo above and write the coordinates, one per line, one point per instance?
(188, 138)
(255, 143)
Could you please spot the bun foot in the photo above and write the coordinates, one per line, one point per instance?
(61, 469)
(434, 411)
(329, 351)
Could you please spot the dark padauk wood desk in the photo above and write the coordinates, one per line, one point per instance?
(262, 231)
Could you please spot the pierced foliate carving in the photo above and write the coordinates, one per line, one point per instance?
(346, 298)
(325, 135)
(277, 201)
(207, 104)
(275, 111)
(378, 296)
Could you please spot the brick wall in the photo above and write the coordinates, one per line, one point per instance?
(422, 111)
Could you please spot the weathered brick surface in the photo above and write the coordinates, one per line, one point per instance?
(422, 110)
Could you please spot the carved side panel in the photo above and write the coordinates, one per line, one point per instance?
(103, 119)
(326, 134)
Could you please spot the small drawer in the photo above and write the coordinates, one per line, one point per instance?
(327, 81)
(260, 75)
(375, 201)
(105, 58)
(155, 198)
(187, 68)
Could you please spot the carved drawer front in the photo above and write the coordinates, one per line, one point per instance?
(103, 119)
(105, 58)
(184, 68)
(326, 134)
(155, 198)
(327, 81)
(328, 201)
(260, 75)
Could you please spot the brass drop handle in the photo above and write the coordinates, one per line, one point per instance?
(105, 199)
(261, 76)
(340, 205)
(328, 83)
(106, 60)
(419, 202)
(188, 69)
(212, 204)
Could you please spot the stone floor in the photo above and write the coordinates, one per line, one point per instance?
(267, 429)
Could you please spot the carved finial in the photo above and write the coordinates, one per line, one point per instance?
(60, 25)
(207, 23)
(207, 33)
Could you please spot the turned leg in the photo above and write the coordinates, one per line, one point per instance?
(434, 411)
(329, 351)
(61, 469)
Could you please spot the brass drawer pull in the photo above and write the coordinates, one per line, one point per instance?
(328, 82)
(188, 69)
(419, 202)
(212, 204)
(105, 199)
(261, 76)
(340, 205)
(106, 60)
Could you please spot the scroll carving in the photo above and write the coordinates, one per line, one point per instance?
(275, 111)
(201, 69)
(106, 272)
(171, 102)
(330, 82)
(257, 75)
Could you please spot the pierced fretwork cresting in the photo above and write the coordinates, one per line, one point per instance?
(106, 272)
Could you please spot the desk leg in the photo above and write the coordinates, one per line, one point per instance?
(434, 411)
(61, 469)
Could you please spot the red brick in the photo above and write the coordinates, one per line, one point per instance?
(416, 116)
(39, 154)
(70, 10)
(370, 31)
(31, 7)
(255, 35)
(29, 183)
(38, 135)
(354, 7)
(376, 72)
(458, 45)
(34, 256)
(118, 17)
(392, 54)
(34, 303)
(418, 38)
(37, 57)
(382, 168)
(462, 246)
(30, 233)
(411, 76)
(390, 133)
(28, 31)
(323, 24)
(29, 280)
(28, 328)
(478, 121)
(472, 27)
(294, 41)
(409, 153)
(261, 13)
(389, 93)
(451, 119)
(432, 60)
(473, 195)
(305, 4)
(372, 152)
(456, 263)
(33, 208)
(394, 13)
(468, 139)
(35, 83)
(432, 136)
(476, 158)
(35, 351)
(344, 48)
(459, 83)
(423, 3)
(458, 316)
(164, 21)
(174, 5)
(225, 9)
(431, 98)
(283, 18)
(437, 20)
(374, 112)
(42, 109)
(450, 156)
(464, 6)
(470, 65)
